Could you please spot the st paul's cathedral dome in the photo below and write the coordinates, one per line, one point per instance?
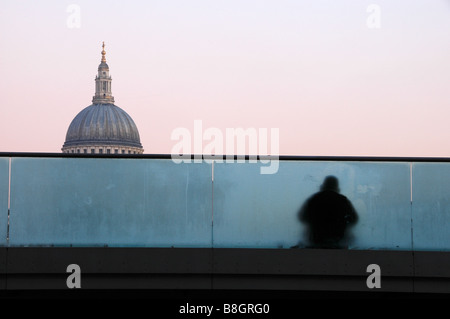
(103, 127)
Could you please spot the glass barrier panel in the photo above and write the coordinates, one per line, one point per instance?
(431, 206)
(4, 186)
(255, 210)
(113, 202)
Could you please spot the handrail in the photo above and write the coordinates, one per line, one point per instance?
(232, 157)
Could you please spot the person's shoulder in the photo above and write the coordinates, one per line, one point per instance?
(318, 195)
(343, 197)
(338, 197)
(331, 193)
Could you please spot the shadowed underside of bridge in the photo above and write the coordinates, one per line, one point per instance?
(224, 269)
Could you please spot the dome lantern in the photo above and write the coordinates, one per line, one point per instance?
(103, 82)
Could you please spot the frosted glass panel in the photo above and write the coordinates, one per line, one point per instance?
(254, 210)
(114, 202)
(431, 206)
(4, 180)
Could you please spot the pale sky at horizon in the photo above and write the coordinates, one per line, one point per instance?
(313, 69)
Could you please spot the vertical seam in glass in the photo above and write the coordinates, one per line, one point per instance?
(212, 204)
(410, 181)
(212, 226)
(411, 204)
(9, 201)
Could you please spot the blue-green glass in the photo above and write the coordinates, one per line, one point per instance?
(114, 202)
(4, 181)
(261, 210)
(431, 206)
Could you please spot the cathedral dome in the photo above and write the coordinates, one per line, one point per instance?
(103, 127)
(105, 124)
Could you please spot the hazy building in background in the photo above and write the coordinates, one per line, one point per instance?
(102, 127)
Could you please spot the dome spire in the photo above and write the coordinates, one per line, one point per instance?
(103, 93)
(103, 53)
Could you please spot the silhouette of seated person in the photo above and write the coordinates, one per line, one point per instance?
(328, 215)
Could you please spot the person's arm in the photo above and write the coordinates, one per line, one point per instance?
(303, 215)
(352, 215)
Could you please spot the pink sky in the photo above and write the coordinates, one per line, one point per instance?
(313, 69)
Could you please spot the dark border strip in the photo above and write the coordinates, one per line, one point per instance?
(231, 157)
(224, 268)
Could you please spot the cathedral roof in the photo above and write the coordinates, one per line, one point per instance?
(104, 124)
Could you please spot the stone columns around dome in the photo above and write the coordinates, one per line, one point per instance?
(102, 149)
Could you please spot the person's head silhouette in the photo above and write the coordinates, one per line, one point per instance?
(330, 183)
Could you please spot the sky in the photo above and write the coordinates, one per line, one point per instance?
(334, 77)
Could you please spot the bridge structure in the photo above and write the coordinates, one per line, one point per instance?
(144, 222)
